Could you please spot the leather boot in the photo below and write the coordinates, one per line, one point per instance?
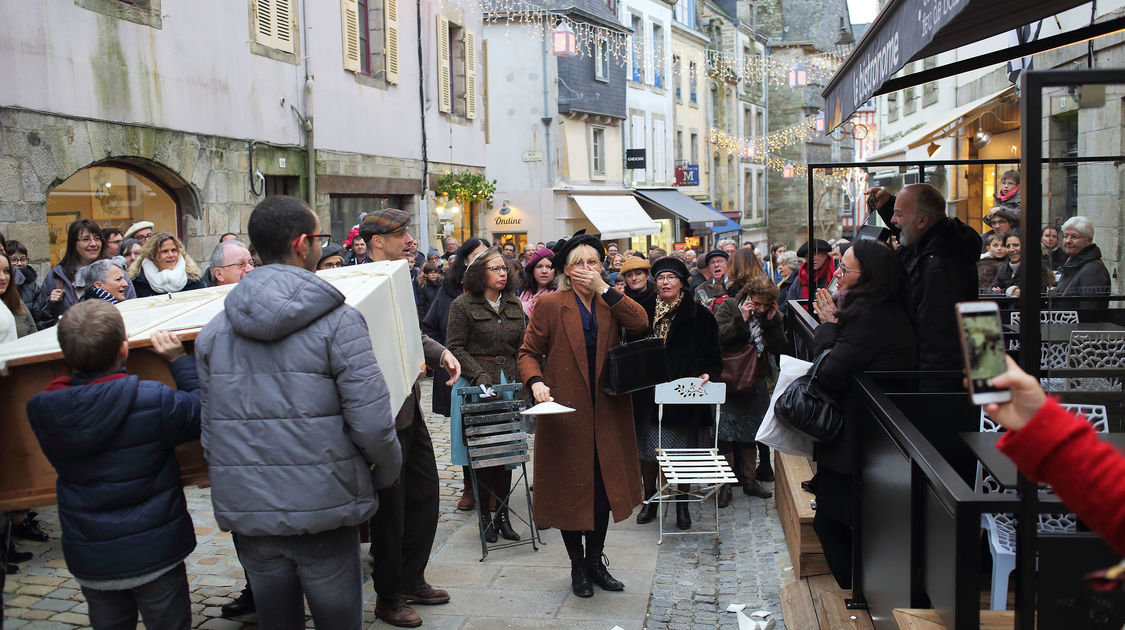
(765, 470)
(648, 513)
(599, 574)
(580, 579)
(243, 605)
(755, 489)
(683, 517)
(467, 502)
(489, 526)
(724, 495)
(397, 613)
(504, 525)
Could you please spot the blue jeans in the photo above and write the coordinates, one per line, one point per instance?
(163, 603)
(323, 567)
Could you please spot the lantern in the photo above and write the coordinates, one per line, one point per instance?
(787, 171)
(563, 43)
(798, 75)
(820, 122)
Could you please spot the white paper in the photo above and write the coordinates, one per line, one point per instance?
(546, 409)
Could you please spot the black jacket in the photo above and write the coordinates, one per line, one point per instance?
(424, 296)
(140, 283)
(434, 325)
(34, 297)
(693, 350)
(942, 271)
(876, 339)
(111, 440)
(1084, 274)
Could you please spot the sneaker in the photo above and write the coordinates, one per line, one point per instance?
(426, 595)
(396, 613)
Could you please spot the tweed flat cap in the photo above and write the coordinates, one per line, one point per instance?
(385, 221)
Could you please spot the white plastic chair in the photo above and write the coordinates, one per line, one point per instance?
(703, 468)
(1001, 528)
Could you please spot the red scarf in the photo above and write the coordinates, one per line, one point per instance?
(64, 382)
(1011, 193)
(826, 272)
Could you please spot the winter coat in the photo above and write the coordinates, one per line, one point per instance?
(881, 338)
(734, 336)
(1062, 450)
(34, 297)
(476, 331)
(111, 440)
(424, 296)
(194, 279)
(1084, 274)
(693, 350)
(565, 443)
(1006, 278)
(56, 279)
(295, 408)
(987, 268)
(799, 284)
(433, 326)
(25, 323)
(1055, 257)
(643, 405)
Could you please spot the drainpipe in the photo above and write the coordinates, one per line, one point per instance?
(307, 119)
(547, 119)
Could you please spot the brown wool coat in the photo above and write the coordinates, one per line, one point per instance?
(475, 330)
(564, 443)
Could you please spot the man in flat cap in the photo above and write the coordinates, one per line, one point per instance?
(717, 284)
(140, 230)
(403, 530)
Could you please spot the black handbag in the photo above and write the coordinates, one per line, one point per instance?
(636, 365)
(806, 408)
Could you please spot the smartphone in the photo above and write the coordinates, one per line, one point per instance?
(701, 295)
(982, 346)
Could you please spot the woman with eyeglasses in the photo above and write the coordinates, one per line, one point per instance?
(1083, 273)
(83, 246)
(164, 266)
(485, 330)
(865, 325)
(585, 461)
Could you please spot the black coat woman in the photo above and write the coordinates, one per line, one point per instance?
(691, 337)
(867, 326)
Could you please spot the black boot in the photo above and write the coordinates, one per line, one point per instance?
(755, 489)
(764, 471)
(18, 557)
(487, 524)
(579, 568)
(724, 496)
(504, 525)
(243, 605)
(648, 513)
(600, 574)
(683, 517)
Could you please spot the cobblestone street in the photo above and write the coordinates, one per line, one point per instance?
(678, 585)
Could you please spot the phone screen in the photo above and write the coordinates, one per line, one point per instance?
(984, 344)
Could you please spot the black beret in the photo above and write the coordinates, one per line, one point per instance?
(672, 265)
(564, 246)
(820, 246)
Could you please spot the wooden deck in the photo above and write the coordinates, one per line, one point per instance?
(928, 619)
(796, 512)
(818, 602)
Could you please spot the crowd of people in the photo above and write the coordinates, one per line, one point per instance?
(339, 456)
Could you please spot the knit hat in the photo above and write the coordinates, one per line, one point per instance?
(138, 226)
(433, 253)
(634, 263)
(673, 265)
(536, 256)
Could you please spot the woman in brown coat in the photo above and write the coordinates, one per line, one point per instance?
(486, 327)
(586, 461)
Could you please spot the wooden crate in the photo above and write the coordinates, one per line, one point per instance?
(818, 602)
(928, 619)
(797, 514)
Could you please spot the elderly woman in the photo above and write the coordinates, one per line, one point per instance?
(83, 246)
(787, 265)
(691, 336)
(103, 280)
(1083, 273)
(486, 328)
(164, 267)
(582, 474)
(538, 278)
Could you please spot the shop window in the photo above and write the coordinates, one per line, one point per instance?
(344, 211)
(111, 196)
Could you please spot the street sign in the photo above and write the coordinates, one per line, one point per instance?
(634, 158)
(687, 174)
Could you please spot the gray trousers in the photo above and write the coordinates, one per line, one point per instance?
(323, 567)
(163, 603)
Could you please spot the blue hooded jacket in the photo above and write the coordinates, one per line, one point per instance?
(111, 440)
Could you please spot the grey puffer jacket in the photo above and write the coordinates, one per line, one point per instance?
(295, 408)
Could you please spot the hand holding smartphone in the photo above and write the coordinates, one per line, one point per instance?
(982, 348)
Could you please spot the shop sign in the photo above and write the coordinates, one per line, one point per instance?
(635, 159)
(532, 156)
(692, 241)
(687, 174)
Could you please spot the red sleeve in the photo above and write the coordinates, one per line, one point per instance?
(1088, 475)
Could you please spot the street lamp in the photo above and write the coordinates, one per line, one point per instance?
(798, 75)
(563, 42)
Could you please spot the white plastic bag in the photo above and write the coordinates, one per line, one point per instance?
(772, 433)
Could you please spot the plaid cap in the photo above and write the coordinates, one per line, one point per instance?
(385, 221)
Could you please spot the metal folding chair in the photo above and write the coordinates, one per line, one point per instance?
(703, 468)
(495, 436)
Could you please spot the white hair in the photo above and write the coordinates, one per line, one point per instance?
(1079, 224)
(96, 271)
(219, 254)
(789, 259)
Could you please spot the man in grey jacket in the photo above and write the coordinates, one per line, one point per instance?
(297, 425)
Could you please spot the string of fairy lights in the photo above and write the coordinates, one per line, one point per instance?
(541, 21)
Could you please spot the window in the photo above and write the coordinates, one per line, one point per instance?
(684, 13)
(371, 38)
(679, 148)
(601, 59)
(146, 12)
(693, 97)
(597, 152)
(638, 49)
(694, 148)
(749, 209)
(909, 101)
(747, 122)
(657, 56)
(677, 80)
(457, 74)
(892, 107)
(929, 90)
(275, 24)
(659, 151)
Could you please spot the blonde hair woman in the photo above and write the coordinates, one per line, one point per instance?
(165, 267)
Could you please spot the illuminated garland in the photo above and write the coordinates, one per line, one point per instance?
(775, 69)
(721, 67)
(541, 22)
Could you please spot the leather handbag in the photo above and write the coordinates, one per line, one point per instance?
(806, 408)
(742, 369)
(636, 365)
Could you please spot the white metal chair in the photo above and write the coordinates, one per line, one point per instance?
(1001, 528)
(702, 468)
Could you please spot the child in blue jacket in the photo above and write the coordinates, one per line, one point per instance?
(110, 436)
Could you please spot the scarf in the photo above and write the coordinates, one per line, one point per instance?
(98, 293)
(662, 319)
(755, 331)
(1011, 193)
(823, 276)
(167, 281)
(528, 299)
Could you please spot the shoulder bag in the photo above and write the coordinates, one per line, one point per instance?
(807, 409)
(742, 369)
(636, 365)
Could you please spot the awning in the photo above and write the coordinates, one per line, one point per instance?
(728, 226)
(616, 216)
(948, 123)
(697, 215)
(907, 30)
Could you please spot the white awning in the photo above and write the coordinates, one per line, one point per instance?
(947, 123)
(616, 216)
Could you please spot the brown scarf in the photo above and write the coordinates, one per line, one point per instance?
(662, 318)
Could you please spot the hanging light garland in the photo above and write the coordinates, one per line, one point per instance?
(722, 66)
(542, 22)
(775, 70)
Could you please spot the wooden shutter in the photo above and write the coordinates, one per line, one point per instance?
(274, 24)
(470, 74)
(390, 39)
(349, 10)
(445, 100)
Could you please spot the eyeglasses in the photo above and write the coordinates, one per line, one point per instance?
(497, 268)
(242, 264)
(845, 271)
(325, 239)
(332, 265)
(1073, 237)
(667, 277)
(19, 261)
(589, 264)
(90, 239)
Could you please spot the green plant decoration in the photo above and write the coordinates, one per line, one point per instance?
(465, 187)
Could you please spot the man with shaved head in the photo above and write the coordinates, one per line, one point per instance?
(940, 254)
